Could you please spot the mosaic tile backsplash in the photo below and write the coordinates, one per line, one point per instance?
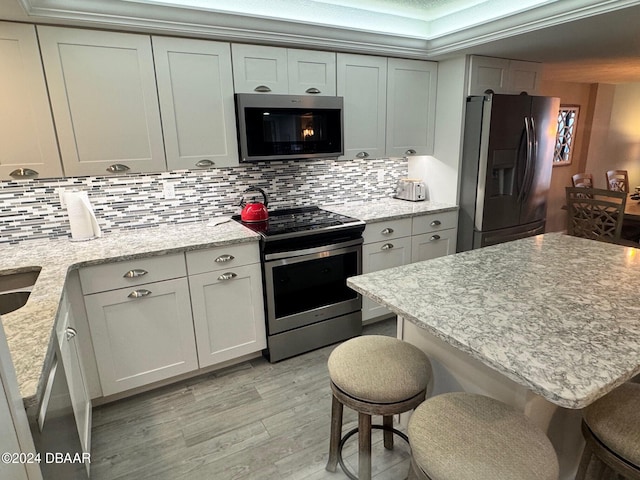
(31, 209)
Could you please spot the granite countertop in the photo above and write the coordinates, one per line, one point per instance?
(557, 314)
(30, 328)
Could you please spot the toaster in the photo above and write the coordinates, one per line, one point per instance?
(411, 189)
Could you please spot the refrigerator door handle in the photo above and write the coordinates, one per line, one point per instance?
(525, 177)
(533, 158)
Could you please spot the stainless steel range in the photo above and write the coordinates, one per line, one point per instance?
(307, 254)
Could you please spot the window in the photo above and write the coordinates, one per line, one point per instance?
(567, 118)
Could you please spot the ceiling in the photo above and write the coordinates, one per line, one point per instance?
(594, 41)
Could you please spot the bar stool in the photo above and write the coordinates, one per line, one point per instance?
(611, 428)
(373, 375)
(465, 436)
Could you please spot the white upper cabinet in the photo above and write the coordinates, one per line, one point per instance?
(260, 69)
(288, 71)
(28, 147)
(503, 76)
(195, 89)
(362, 81)
(311, 72)
(411, 107)
(104, 100)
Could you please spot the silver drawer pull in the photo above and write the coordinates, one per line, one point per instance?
(435, 237)
(262, 89)
(387, 231)
(205, 162)
(411, 151)
(117, 168)
(312, 90)
(224, 258)
(135, 273)
(139, 293)
(227, 276)
(386, 246)
(70, 333)
(362, 155)
(436, 223)
(23, 173)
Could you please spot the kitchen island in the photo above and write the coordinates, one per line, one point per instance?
(548, 324)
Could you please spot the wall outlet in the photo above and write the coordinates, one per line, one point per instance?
(60, 191)
(168, 190)
(381, 175)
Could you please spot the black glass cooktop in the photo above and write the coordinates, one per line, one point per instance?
(292, 222)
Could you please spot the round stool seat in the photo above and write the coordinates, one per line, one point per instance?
(379, 369)
(464, 436)
(615, 420)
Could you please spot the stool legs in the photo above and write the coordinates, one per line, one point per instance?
(387, 422)
(336, 434)
(364, 446)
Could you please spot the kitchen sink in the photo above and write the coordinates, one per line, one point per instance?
(15, 288)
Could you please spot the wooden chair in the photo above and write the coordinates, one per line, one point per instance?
(584, 180)
(618, 180)
(595, 213)
(610, 427)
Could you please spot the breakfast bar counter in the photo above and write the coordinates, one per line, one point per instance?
(548, 324)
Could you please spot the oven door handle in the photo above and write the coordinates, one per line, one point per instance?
(311, 251)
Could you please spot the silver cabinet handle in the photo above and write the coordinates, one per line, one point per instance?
(224, 258)
(135, 273)
(205, 162)
(362, 155)
(411, 151)
(386, 246)
(262, 89)
(117, 168)
(312, 90)
(139, 293)
(23, 173)
(436, 223)
(434, 237)
(227, 276)
(387, 231)
(70, 332)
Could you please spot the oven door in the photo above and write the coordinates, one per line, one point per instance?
(308, 286)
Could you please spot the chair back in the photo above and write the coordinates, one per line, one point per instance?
(595, 213)
(582, 180)
(618, 180)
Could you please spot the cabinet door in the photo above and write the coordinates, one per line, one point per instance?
(260, 69)
(228, 313)
(27, 136)
(488, 73)
(524, 77)
(140, 338)
(378, 256)
(362, 81)
(195, 88)
(75, 376)
(411, 107)
(433, 245)
(311, 72)
(104, 100)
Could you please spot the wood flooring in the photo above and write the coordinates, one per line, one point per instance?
(255, 420)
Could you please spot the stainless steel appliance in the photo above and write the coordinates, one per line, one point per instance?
(280, 127)
(506, 168)
(307, 254)
(411, 189)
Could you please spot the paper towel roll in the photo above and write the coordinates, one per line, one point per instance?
(82, 219)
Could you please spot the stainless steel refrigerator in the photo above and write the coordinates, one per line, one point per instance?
(507, 158)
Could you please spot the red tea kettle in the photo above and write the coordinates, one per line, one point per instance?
(254, 211)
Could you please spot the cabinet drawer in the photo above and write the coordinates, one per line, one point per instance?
(434, 222)
(433, 245)
(387, 230)
(212, 259)
(130, 273)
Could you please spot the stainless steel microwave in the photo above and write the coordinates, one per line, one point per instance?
(280, 127)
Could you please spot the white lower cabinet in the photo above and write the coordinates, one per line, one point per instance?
(142, 334)
(433, 245)
(228, 313)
